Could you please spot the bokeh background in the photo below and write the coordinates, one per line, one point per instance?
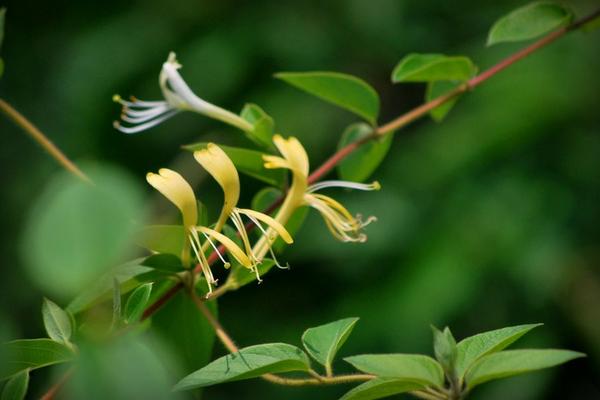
(488, 219)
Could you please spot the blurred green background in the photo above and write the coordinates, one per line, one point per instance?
(488, 219)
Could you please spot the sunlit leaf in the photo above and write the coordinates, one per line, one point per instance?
(514, 362)
(32, 354)
(437, 89)
(249, 162)
(528, 22)
(249, 362)
(414, 368)
(433, 67)
(263, 124)
(324, 341)
(134, 308)
(379, 388)
(472, 348)
(343, 90)
(444, 347)
(361, 163)
(57, 322)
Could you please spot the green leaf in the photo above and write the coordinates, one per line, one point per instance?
(324, 341)
(168, 263)
(116, 310)
(168, 239)
(343, 90)
(16, 387)
(77, 231)
(241, 276)
(438, 89)
(182, 327)
(263, 124)
(380, 387)
(433, 67)
(57, 322)
(472, 348)
(32, 354)
(591, 25)
(249, 162)
(134, 308)
(249, 362)
(514, 362)
(444, 346)
(360, 164)
(528, 22)
(414, 368)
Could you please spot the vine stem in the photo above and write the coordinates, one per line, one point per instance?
(394, 125)
(42, 139)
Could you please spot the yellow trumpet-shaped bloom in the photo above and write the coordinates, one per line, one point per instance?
(342, 224)
(175, 188)
(141, 115)
(216, 162)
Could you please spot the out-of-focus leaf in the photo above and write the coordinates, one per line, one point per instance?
(433, 67)
(79, 230)
(591, 25)
(168, 263)
(136, 303)
(444, 347)
(324, 341)
(343, 90)
(241, 276)
(514, 362)
(379, 388)
(249, 362)
(16, 387)
(57, 322)
(437, 89)
(361, 163)
(32, 354)
(263, 124)
(472, 348)
(162, 238)
(249, 162)
(528, 22)
(2, 17)
(414, 368)
(182, 327)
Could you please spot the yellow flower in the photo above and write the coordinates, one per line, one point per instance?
(175, 188)
(216, 162)
(178, 96)
(343, 225)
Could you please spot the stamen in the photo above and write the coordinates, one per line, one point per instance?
(225, 263)
(142, 112)
(344, 184)
(127, 117)
(147, 125)
(269, 244)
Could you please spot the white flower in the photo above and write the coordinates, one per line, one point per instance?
(141, 115)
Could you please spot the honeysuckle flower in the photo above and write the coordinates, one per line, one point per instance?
(175, 188)
(216, 162)
(342, 224)
(141, 115)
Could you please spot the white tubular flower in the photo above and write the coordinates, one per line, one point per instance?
(141, 115)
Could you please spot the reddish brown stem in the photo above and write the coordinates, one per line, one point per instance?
(52, 392)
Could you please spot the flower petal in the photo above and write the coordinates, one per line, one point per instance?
(229, 244)
(271, 222)
(175, 188)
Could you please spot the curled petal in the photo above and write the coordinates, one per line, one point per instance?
(175, 188)
(270, 222)
(229, 244)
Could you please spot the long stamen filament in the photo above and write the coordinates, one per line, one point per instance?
(269, 242)
(215, 248)
(344, 184)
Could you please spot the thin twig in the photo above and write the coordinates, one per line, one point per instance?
(42, 139)
(51, 393)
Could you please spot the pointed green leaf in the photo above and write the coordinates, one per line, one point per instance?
(168, 263)
(32, 354)
(360, 164)
(379, 388)
(263, 124)
(414, 368)
(528, 22)
(514, 362)
(249, 362)
(343, 90)
(249, 162)
(134, 308)
(433, 67)
(474, 347)
(444, 347)
(324, 341)
(57, 322)
(16, 387)
(437, 89)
